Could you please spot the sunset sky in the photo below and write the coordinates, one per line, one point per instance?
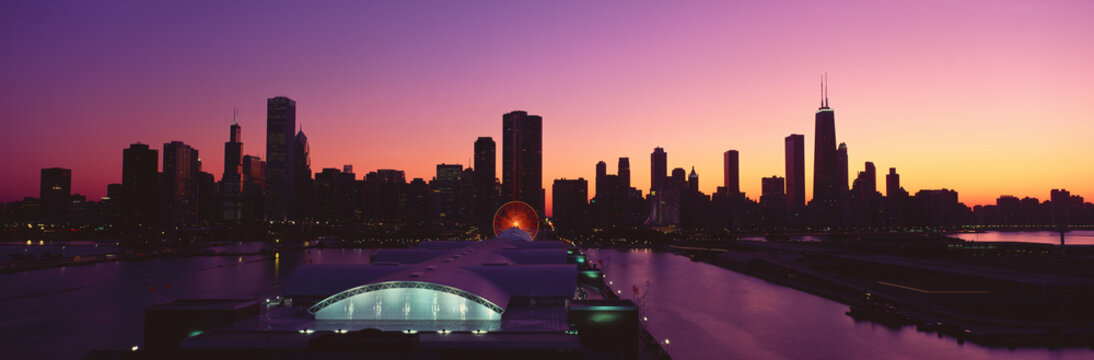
(985, 97)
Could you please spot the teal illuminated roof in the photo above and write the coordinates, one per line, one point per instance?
(824, 109)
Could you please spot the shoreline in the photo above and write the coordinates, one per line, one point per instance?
(927, 318)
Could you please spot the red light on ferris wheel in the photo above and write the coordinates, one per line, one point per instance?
(516, 214)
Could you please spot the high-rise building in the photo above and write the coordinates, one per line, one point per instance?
(280, 158)
(658, 172)
(304, 185)
(771, 186)
(895, 198)
(334, 195)
(569, 199)
(485, 188)
(327, 195)
(231, 181)
(795, 170)
(773, 202)
(601, 184)
(55, 190)
(625, 173)
(658, 169)
(693, 181)
(825, 160)
(869, 178)
(180, 179)
(842, 170)
(140, 177)
(864, 198)
(209, 209)
(522, 158)
(731, 167)
(254, 182)
(892, 182)
(383, 195)
(445, 185)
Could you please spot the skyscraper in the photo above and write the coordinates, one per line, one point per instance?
(327, 195)
(869, 178)
(841, 168)
(773, 202)
(55, 190)
(254, 183)
(485, 189)
(825, 161)
(731, 167)
(658, 169)
(569, 199)
(231, 181)
(302, 181)
(771, 186)
(625, 173)
(601, 183)
(140, 175)
(693, 181)
(280, 158)
(522, 158)
(445, 201)
(795, 170)
(892, 182)
(180, 171)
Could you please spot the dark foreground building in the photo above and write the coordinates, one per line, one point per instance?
(503, 298)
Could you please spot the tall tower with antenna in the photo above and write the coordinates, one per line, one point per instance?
(231, 181)
(826, 192)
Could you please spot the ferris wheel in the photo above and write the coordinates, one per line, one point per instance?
(516, 214)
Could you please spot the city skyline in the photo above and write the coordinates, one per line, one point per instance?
(937, 110)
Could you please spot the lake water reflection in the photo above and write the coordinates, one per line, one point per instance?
(712, 313)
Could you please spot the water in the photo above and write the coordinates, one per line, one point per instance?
(708, 312)
(65, 248)
(61, 313)
(1082, 237)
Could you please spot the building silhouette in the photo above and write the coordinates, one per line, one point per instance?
(485, 187)
(601, 182)
(795, 180)
(865, 199)
(447, 206)
(302, 180)
(795, 171)
(522, 159)
(140, 178)
(280, 158)
(773, 202)
(624, 172)
(231, 181)
(896, 200)
(180, 182)
(254, 184)
(55, 191)
(569, 202)
(825, 161)
(842, 170)
(731, 167)
(383, 195)
(658, 179)
(335, 191)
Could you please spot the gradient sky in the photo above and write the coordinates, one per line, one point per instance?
(985, 97)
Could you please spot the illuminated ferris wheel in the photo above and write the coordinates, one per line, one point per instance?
(516, 214)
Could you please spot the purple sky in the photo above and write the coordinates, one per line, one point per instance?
(986, 97)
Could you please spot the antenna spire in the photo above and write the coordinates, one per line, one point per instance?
(825, 89)
(822, 90)
(235, 116)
